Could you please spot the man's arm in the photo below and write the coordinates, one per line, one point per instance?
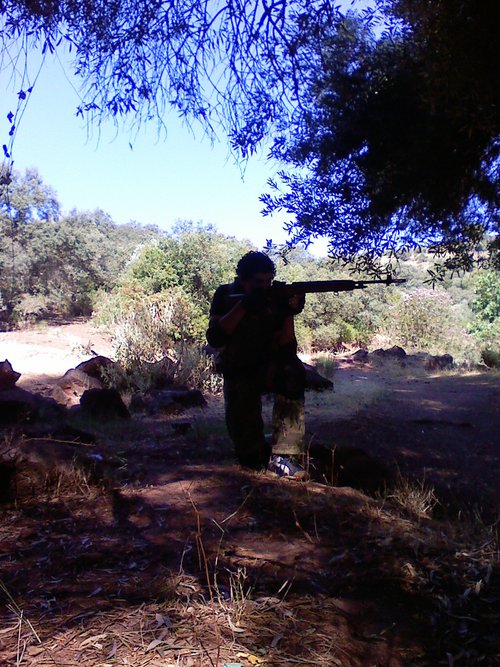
(223, 322)
(286, 335)
(220, 327)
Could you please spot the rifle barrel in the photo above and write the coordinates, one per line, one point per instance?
(318, 286)
(315, 286)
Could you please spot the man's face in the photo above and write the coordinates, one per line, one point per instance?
(259, 281)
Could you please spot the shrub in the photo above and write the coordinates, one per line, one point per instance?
(196, 369)
(491, 358)
(164, 327)
(426, 320)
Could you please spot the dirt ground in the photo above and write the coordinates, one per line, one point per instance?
(168, 553)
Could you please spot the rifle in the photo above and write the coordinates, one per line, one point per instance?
(282, 290)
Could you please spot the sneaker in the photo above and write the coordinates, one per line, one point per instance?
(286, 466)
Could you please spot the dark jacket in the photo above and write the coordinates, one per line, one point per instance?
(253, 344)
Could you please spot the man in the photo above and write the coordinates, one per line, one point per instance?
(257, 354)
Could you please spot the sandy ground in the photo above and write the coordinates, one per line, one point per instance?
(50, 350)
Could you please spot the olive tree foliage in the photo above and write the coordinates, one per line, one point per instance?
(398, 146)
(234, 63)
(386, 118)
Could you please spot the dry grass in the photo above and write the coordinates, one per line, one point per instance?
(201, 632)
(414, 497)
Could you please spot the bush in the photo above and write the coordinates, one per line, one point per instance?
(197, 369)
(426, 320)
(165, 327)
(332, 336)
(486, 325)
(491, 358)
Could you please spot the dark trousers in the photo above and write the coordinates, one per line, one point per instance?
(285, 378)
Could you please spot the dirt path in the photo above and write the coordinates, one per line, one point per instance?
(441, 428)
(182, 558)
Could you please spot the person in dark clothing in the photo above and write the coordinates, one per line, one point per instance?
(254, 335)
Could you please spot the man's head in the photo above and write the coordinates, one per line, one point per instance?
(255, 270)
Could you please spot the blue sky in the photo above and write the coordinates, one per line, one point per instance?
(158, 181)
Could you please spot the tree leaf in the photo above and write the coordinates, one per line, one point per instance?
(233, 627)
(152, 645)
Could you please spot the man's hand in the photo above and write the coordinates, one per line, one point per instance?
(255, 302)
(293, 305)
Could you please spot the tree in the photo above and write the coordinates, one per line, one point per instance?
(24, 199)
(195, 257)
(234, 63)
(399, 144)
(388, 118)
(58, 262)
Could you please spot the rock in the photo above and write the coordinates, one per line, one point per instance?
(439, 362)
(167, 401)
(95, 366)
(70, 388)
(188, 398)
(419, 358)
(103, 405)
(155, 403)
(315, 380)
(360, 355)
(8, 376)
(395, 352)
(19, 407)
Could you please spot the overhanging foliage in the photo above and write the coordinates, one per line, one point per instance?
(387, 120)
(398, 146)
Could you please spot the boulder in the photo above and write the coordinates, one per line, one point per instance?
(188, 398)
(395, 352)
(154, 404)
(167, 401)
(95, 366)
(439, 362)
(70, 388)
(360, 355)
(315, 380)
(8, 376)
(419, 358)
(103, 405)
(20, 407)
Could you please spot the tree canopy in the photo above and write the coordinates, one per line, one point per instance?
(233, 63)
(386, 117)
(398, 144)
